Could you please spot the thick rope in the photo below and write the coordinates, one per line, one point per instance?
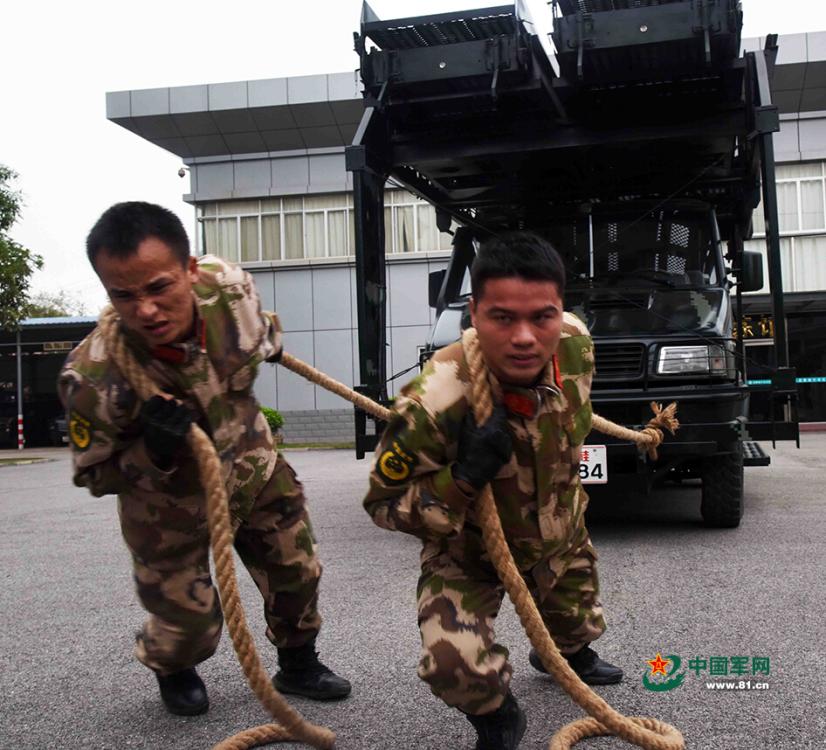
(334, 386)
(647, 733)
(291, 725)
(650, 437)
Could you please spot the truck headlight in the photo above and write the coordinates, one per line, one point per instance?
(691, 360)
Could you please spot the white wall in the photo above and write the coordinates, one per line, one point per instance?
(318, 311)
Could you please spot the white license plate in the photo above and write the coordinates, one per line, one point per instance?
(593, 464)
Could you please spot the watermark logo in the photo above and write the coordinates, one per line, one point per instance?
(663, 674)
(726, 672)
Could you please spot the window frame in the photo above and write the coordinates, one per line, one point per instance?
(396, 199)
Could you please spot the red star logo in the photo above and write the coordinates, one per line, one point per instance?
(658, 665)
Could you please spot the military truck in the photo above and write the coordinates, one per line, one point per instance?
(636, 138)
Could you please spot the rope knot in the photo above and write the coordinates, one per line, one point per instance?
(663, 419)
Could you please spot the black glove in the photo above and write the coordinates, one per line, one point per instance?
(484, 450)
(166, 424)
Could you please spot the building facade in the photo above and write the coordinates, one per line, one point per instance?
(799, 89)
(270, 190)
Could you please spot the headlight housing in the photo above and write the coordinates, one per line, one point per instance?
(699, 359)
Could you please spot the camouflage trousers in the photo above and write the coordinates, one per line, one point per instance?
(459, 596)
(169, 541)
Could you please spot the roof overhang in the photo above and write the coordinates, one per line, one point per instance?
(323, 111)
(244, 117)
(798, 81)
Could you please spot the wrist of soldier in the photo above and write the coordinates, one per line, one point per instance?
(443, 487)
(149, 465)
(162, 461)
(164, 453)
(468, 485)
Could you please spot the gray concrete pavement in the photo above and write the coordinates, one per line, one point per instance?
(67, 678)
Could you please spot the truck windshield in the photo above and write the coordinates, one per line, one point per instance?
(668, 247)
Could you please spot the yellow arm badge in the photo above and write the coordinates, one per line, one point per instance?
(79, 431)
(395, 464)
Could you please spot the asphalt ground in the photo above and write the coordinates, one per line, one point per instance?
(68, 679)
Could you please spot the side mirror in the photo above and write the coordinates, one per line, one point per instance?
(435, 279)
(443, 221)
(750, 278)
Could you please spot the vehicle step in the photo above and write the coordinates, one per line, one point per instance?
(753, 454)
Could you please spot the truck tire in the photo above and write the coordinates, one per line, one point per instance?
(722, 500)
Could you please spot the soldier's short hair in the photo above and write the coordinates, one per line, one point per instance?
(519, 253)
(122, 227)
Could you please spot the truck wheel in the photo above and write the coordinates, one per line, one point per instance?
(722, 501)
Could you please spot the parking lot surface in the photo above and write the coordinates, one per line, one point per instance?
(669, 586)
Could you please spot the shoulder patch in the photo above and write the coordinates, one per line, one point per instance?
(79, 431)
(395, 464)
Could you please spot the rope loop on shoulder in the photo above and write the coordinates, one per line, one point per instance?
(480, 390)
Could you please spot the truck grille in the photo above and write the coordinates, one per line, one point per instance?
(619, 361)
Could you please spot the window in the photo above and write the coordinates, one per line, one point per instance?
(801, 209)
(787, 208)
(270, 237)
(410, 225)
(811, 205)
(312, 226)
(249, 238)
(801, 199)
(228, 238)
(293, 236)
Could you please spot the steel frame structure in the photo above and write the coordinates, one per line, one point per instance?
(468, 111)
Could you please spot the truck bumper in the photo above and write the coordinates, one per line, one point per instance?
(711, 422)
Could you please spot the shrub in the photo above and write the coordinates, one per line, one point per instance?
(274, 418)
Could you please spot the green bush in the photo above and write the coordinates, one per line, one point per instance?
(274, 418)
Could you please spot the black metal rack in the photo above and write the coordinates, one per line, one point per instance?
(468, 111)
(605, 42)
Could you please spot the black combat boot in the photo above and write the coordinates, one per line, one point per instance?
(591, 669)
(501, 729)
(183, 693)
(301, 673)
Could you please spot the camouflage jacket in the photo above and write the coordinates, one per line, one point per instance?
(215, 381)
(539, 495)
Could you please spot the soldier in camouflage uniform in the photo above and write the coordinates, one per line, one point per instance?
(432, 461)
(198, 329)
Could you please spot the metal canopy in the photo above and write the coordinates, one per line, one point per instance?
(444, 28)
(569, 7)
(607, 42)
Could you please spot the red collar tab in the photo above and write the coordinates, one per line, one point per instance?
(175, 354)
(523, 403)
(557, 373)
(180, 354)
(526, 402)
